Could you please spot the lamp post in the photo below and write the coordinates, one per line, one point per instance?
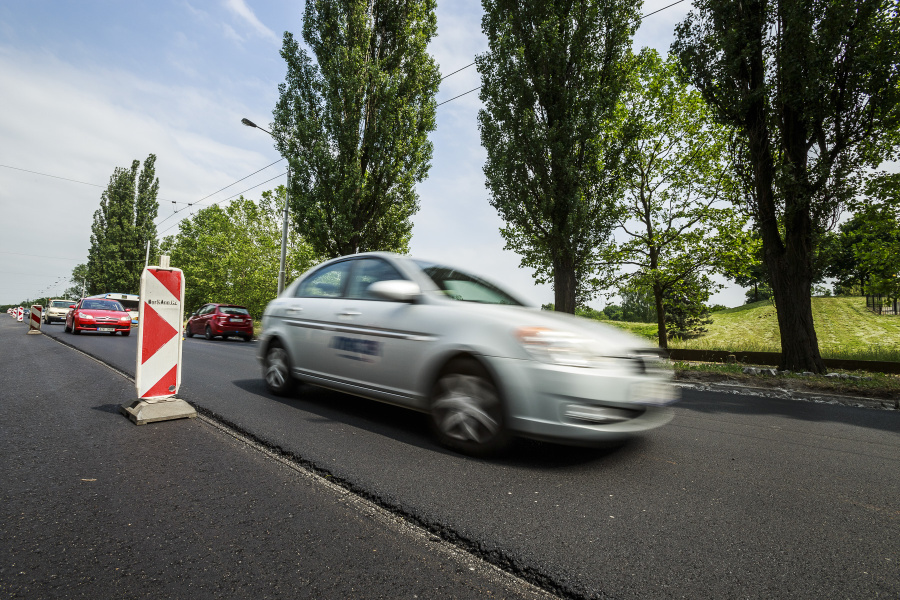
(284, 224)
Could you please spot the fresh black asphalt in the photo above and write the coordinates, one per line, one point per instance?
(739, 497)
(96, 507)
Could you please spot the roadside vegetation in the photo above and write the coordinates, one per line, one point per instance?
(845, 330)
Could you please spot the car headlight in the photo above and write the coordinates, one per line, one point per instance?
(124, 319)
(559, 347)
(84, 316)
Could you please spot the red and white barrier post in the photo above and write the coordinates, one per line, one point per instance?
(34, 326)
(20, 314)
(158, 371)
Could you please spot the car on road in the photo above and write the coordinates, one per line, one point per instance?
(57, 310)
(102, 316)
(130, 302)
(220, 320)
(483, 365)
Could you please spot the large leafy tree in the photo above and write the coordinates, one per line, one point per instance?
(551, 82)
(862, 255)
(677, 225)
(354, 125)
(811, 86)
(231, 254)
(122, 227)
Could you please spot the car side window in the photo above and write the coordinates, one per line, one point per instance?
(327, 282)
(366, 272)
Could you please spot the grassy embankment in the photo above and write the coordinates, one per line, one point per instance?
(844, 327)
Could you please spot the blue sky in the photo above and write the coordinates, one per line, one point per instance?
(91, 85)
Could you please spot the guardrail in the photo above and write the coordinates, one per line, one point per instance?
(774, 359)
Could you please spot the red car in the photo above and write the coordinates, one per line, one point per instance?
(104, 316)
(220, 320)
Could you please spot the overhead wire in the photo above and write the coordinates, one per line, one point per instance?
(472, 63)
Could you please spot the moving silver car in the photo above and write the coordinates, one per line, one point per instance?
(483, 365)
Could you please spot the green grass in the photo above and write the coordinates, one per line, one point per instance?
(844, 327)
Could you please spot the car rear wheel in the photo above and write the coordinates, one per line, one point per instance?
(277, 370)
(467, 411)
(209, 334)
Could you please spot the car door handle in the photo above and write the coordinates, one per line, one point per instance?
(349, 313)
(293, 311)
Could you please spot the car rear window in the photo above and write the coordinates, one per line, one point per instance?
(233, 310)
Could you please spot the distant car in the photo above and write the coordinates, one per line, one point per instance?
(103, 316)
(484, 366)
(220, 320)
(130, 302)
(57, 310)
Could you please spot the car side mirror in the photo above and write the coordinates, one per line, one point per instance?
(396, 290)
(71, 306)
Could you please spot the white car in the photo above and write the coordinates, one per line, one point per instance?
(57, 310)
(483, 365)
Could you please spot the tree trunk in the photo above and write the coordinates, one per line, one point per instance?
(660, 317)
(564, 285)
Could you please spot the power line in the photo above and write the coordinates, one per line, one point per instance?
(662, 9)
(38, 256)
(460, 96)
(457, 71)
(225, 199)
(479, 87)
(72, 180)
(189, 204)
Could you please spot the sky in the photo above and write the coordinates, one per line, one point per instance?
(89, 86)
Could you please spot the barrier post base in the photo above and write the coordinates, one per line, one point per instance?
(142, 412)
(34, 332)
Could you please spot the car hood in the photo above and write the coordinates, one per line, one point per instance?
(606, 339)
(113, 314)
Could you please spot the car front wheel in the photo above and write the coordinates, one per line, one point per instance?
(75, 328)
(277, 370)
(467, 411)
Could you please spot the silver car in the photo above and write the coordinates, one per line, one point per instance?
(448, 343)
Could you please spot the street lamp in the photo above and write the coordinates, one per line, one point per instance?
(284, 224)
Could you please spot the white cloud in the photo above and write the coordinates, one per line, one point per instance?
(240, 9)
(80, 124)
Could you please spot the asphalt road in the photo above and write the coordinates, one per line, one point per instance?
(92, 506)
(739, 497)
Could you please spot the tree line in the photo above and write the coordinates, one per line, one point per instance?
(736, 154)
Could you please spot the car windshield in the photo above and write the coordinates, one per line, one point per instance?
(102, 305)
(233, 310)
(61, 304)
(464, 287)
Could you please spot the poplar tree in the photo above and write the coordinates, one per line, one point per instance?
(551, 81)
(121, 229)
(354, 123)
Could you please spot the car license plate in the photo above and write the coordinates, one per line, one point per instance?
(235, 320)
(106, 329)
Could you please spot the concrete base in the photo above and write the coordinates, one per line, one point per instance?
(164, 409)
(34, 331)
